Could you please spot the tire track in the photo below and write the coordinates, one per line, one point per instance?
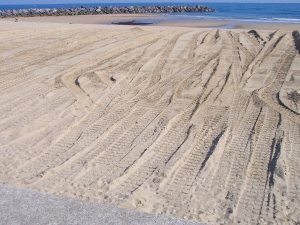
(181, 122)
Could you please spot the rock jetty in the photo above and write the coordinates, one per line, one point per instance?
(84, 10)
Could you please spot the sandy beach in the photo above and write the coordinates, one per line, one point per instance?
(196, 123)
(111, 18)
(85, 19)
(231, 25)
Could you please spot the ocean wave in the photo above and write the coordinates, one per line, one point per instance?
(266, 20)
(286, 19)
(243, 19)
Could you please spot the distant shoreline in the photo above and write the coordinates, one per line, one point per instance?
(232, 15)
(145, 18)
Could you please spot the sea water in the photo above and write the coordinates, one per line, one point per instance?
(241, 12)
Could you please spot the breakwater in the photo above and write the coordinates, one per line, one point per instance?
(84, 10)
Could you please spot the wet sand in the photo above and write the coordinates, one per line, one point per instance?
(108, 19)
(230, 25)
(85, 19)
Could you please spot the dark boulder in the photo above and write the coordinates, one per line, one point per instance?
(85, 10)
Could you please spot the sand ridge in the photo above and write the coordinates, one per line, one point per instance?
(201, 124)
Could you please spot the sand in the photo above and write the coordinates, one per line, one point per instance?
(85, 19)
(231, 25)
(111, 18)
(200, 124)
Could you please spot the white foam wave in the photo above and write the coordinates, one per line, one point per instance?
(260, 20)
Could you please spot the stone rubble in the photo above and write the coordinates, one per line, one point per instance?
(84, 10)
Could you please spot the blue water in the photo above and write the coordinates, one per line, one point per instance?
(250, 12)
(242, 12)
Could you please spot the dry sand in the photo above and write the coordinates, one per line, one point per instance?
(201, 124)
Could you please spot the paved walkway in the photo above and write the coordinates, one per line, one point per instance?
(19, 206)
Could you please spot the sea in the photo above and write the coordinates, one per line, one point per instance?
(230, 12)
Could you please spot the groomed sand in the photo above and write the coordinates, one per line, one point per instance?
(201, 124)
